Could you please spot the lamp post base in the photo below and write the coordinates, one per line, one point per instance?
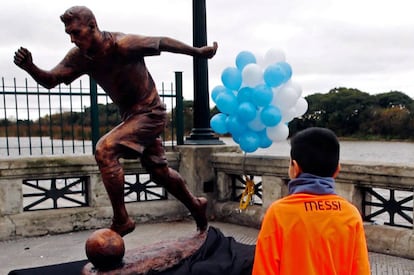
(203, 136)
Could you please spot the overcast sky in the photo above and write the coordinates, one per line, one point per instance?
(363, 44)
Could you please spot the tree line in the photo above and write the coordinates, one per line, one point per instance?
(356, 114)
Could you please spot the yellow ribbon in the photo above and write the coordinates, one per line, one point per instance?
(247, 194)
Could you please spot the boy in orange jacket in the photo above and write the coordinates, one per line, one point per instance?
(312, 230)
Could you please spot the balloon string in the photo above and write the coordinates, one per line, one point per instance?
(244, 163)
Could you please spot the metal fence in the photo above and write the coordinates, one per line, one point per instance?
(70, 119)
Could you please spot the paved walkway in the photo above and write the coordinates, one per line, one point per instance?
(47, 250)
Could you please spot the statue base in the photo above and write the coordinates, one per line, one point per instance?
(153, 258)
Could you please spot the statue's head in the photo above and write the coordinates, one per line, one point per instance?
(81, 14)
(80, 24)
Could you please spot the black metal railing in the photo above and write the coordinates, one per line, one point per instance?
(140, 187)
(388, 206)
(68, 119)
(69, 192)
(55, 193)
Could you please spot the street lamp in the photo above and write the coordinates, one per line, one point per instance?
(201, 133)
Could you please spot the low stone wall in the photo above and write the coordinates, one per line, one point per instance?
(193, 163)
(207, 171)
(14, 222)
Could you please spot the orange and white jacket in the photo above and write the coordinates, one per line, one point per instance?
(311, 234)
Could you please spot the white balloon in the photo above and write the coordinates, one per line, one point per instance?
(273, 56)
(294, 85)
(275, 90)
(301, 107)
(256, 124)
(284, 97)
(278, 133)
(288, 114)
(252, 75)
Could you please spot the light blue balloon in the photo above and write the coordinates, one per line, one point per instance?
(244, 58)
(227, 102)
(287, 70)
(274, 75)
(218, 123)
(236, 139)
(270, 115)
(216, 91)
(234, 126)
(249, 142)
(265, 141)
(246, 111)
(244, 94)
(231, 78)
(262, 95)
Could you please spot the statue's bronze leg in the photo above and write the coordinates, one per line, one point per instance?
(113, 178)
(175, 185)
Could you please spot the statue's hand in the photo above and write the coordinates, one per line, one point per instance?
(23, 58)
(209, 51)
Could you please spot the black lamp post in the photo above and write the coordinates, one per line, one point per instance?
(201, 133)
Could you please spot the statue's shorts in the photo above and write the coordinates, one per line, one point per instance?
(138, 136)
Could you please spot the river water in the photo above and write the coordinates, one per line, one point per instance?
(361, 151)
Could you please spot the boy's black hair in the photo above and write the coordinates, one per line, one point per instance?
(316, 150)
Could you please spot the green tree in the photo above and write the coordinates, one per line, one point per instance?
(394, 99)
(340, 110)
(350, 112)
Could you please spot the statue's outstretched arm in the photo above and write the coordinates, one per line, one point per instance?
(172, 45)
(48, 79)
(147, 45)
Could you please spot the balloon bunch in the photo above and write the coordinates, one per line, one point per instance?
(257, 101)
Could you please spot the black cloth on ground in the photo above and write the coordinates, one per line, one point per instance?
(217, 256)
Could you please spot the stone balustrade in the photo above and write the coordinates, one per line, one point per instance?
(15, 222)
(208, 171)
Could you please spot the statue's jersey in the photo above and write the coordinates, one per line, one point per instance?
(120, 70)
